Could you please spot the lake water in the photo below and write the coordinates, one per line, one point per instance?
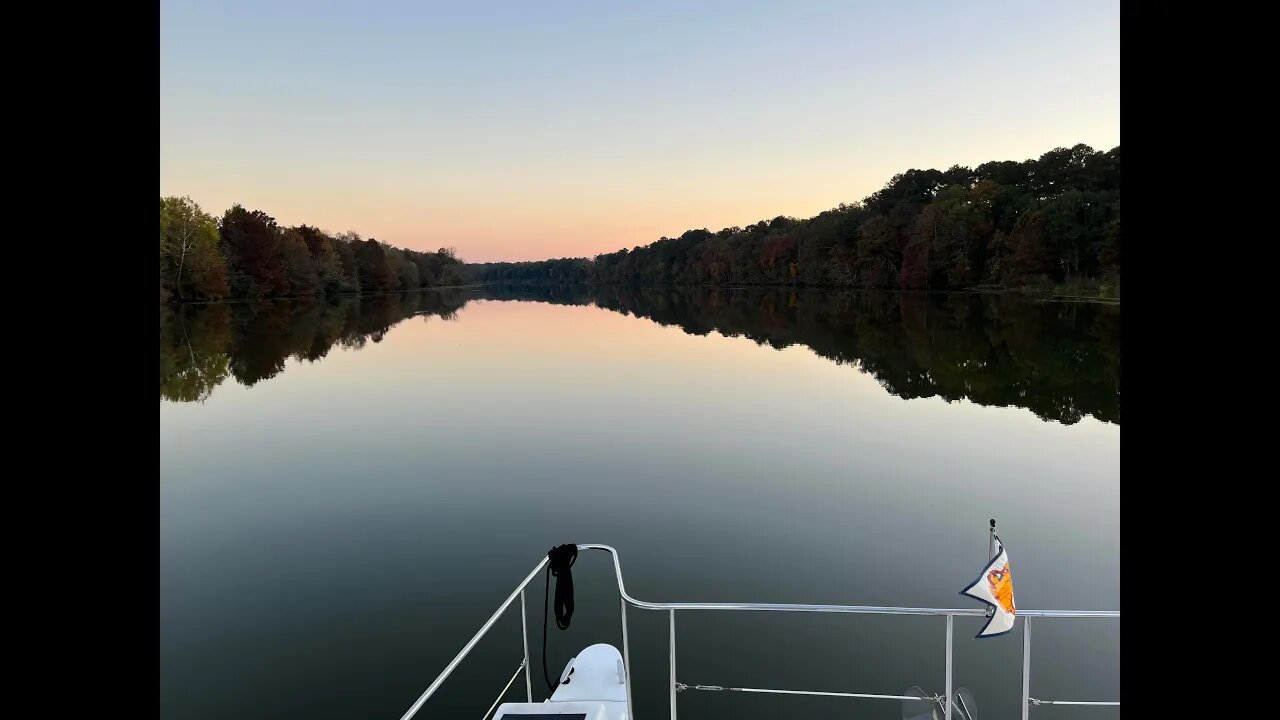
(348, 489)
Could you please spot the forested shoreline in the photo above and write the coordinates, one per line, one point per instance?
(246, 254)
(1040, 224)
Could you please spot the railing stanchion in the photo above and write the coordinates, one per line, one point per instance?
(1026, 667)
(672, 616)
(624, 599)
(950, 624)
(524, 635)
(626, 658)
(466, 649)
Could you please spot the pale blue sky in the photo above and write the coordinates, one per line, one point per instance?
(521, 130)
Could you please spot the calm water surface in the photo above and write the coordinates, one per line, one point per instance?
(348, 489)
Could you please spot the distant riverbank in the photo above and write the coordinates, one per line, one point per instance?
(246, 254)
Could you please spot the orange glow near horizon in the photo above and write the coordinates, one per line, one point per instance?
(537, 132)
(506, 222)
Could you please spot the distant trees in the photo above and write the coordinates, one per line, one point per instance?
(1055, 219)
(345, 244)
(375, 271)
(300, 273)
(1050, 220)
(251, 245)
(1030, 256)
(562, 270)
(331, 272)
(191, 265)
(248, 255)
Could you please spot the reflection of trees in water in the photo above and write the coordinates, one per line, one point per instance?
(200, 345)
(193, 358)
(1059, 360)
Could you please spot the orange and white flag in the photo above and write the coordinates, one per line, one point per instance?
(995, 588)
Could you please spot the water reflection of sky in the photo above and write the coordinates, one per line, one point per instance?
(319, 494)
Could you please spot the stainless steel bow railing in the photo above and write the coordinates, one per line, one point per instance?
(671, 608)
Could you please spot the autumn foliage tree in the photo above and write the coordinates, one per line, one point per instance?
(191, 265)
(247, 254)
(375, 274)
(1030, 258)
(299, 269)
(251, 244)
(325, 256)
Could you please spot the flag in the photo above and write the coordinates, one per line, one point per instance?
(995, 588)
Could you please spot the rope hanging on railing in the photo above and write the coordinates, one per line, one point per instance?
(559, 560)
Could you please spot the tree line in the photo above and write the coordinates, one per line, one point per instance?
(1059, 360)
(1054, 220)
(246, 254)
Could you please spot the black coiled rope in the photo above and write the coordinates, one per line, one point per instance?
(559, 560)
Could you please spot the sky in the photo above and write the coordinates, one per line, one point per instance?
(529, 130)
